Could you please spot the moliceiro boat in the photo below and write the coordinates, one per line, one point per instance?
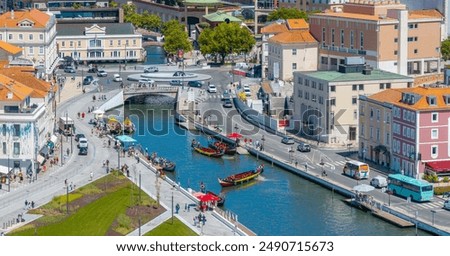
(240, 178)
(206, 151)
(218, 145)
(221, 197)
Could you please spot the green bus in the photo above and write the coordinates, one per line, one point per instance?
(408, 187)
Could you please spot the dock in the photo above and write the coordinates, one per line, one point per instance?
(365, 206)
(241, 151)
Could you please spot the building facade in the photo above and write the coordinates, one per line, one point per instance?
(326, 102)
(35, 32)
(390, 37)
(107, 42)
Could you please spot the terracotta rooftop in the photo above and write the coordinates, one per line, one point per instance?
(25, 76)
(394, 96)
(422, 14)
(297, 24)
(12, 49)
(292, 37)
(11, 90)
(12, 19)
(274, 28)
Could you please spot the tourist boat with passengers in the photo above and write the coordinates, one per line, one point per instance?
(222, 146)
(240, 178)
(221, 197)
(205, 150)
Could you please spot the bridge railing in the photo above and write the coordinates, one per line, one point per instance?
(135, 88)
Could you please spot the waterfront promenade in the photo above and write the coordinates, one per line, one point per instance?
(76, 169)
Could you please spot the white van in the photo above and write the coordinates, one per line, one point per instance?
(447, 205)
(379, 182)
(82, 143)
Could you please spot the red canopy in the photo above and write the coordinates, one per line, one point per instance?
(207, 197)
(234, 135)
(439, 166)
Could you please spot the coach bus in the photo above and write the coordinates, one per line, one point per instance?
(357, 170)
(408, 187)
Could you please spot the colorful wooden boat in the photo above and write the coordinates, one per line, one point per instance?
(165, 164)
(240, 178)
(221, 202)
(218, 145)
(128, 126)
(206, 151)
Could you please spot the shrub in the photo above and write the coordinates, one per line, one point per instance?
(446, 179)
(441, 190)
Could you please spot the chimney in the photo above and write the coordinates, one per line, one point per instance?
(12, 14)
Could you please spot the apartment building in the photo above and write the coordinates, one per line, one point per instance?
(35, 32)
(326, 102)
(108, 42)
(420, 130)
(287, 47)
(386, 33)
(26, 122)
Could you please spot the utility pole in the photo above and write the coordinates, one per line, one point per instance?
(139, 202)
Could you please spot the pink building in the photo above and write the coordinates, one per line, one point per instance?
(420, 130)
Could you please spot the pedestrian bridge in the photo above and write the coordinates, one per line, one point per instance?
(134, 90)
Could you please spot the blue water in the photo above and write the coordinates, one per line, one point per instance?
(277, 203)
(155, 55)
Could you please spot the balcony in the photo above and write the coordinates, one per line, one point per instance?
(343, 49)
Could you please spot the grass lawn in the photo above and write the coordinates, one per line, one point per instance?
(108, 206)
(178, 228)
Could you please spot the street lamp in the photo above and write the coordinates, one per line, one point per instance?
(126, 55)
(433, 212)
(262, 139)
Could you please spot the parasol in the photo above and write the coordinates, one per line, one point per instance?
(363, 188)
(234, 135)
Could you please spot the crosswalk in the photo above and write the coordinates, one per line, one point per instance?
(207, 97)
(326, 165)
(420, 206)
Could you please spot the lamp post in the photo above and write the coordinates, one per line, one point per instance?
(262, 139)
(126, 55)
(118, 156)
(67, 199)
(432, 213)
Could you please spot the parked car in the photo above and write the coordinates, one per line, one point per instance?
(179, 73)
(151, 69)
(212, 88)
(247, 91)
(78, 136)
(145, 82)
(88, 80)
(69, 70)
(83, 151)
(379, 182)
(82, 143)
(227, 103)
(102, 73)
(176, 83)
(303, 147)
(92, 70)
(117, 78)
(287, 140)
(195, 84)
(447, 205)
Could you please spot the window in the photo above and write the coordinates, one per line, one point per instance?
(71, 44)
(63, 44)
(41, 37)
(432, 100)
(378, 115)
(300, 94)
(378, 134)
(434, 117)
(434, 133)
(354, 100)
(10, 36)
(371, 132)
(294, 66)
(416, 51)
(342, 38)
(355, 114)
(16, 131)
(324, 32)
(320, 99)
(119, 42)
(20, 36)
(354, 87)
(306, 82)
(4, 148)
(30, 50)
(333, 102)
(434, 151)
(4, 129)
(361, 87)
(79, 43)
(386, 139)
(306, 95)
(324, 60)
(320, 86)
(388, 118)
(30, 36)
(395, 26)
(300, 80)
(395, 52)
(412, 25)
(362, 131)
(361, 38)
(332, 88)
(41, 49)
(388, 85)
(314, 84)
(396, 40)
(332, 37)
(381, 86)
(371, 113)
(16, 148)
(134, 41)
(352, 39)
(294, 51)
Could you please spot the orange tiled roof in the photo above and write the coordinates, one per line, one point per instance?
(395, 95)
(297, 24)
(292, 37)
(9, 47)
(274, 28)
(39, 18)
(19, 91)
(420, 14)
(25, 75)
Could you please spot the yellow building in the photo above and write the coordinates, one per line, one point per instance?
(108, 42)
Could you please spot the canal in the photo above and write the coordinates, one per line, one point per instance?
(277, 203)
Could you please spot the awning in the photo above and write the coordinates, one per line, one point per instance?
(380, 148)
(40, 159)
(4, 169)
(438, 166)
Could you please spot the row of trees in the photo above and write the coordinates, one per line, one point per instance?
(145, 20)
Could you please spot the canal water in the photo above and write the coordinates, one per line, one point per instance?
(277, 203)
(155, 55)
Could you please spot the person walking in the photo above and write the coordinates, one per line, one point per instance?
(91, 175)
(177, 208)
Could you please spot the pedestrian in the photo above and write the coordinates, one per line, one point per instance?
(70, 186)
(128, 173)
(104, 163)
(68, 151)
(195, 220)
(204, 219)
(185, 206)
(296, 163)
(26, 203)
(91, 175)
(65, 183)
(177, 208)
(32, 204)
(107, 163)
(109, 143)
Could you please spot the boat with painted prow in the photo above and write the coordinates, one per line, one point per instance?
(221, 197)
(218, 145)
(240, 178)
(206, 151)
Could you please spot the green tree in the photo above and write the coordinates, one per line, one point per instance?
(287, 13)
(150, 21)
(145, 20)
(113, 4)
(445, 49)
(175, 37)
(226, 39)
